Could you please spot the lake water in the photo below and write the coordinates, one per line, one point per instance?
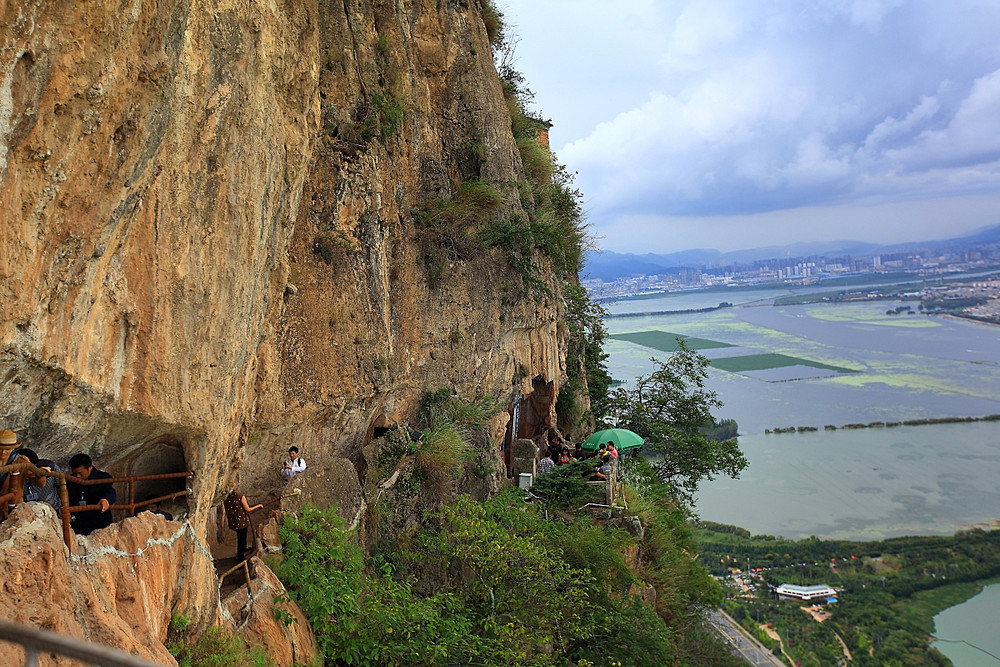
(853, 484)
(969, 631)
(859, 483)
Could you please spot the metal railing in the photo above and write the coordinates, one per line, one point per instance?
(35, 640)
(64, 507)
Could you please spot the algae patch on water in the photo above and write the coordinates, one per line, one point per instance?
(757, 362)
(864, 315)
(666, 341)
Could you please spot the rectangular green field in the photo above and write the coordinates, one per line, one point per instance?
(758, 362)
(666, 341)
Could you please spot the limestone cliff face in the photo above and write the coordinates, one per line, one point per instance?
(207, 242)
(152, 157)
(365, 331)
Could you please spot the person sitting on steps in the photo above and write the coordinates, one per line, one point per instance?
(602, 472)
(293, 465)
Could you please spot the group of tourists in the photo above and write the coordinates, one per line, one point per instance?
(555, 452)
(238, 508)
(36, 486)
(31, 486)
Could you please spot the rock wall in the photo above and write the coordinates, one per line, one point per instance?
(364, 331)
(152, 157)
(208, 250)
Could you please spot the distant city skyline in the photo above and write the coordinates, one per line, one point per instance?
(725, 125)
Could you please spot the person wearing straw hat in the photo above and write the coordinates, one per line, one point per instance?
(9, 454)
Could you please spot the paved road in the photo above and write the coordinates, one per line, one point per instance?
(748, 647)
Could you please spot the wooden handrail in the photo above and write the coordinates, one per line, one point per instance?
(65, 510)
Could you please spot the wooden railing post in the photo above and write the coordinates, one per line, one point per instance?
(64, 513)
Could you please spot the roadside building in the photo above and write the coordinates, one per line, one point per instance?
(806, 593)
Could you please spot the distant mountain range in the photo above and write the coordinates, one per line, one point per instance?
(607, 265)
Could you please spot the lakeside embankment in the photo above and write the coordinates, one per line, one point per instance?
(885, 424)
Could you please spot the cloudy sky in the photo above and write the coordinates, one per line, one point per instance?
(733, 124)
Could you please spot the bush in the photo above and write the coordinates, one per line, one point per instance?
(215, 648)
(325, 574)
(537, 160)
(440, 457)
(566, 485)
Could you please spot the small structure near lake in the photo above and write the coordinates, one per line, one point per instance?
(806, 593)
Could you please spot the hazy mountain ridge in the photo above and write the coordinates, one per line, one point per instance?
(609, 265)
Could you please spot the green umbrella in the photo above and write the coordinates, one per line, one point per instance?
(623, 438)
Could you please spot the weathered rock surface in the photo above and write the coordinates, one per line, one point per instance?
(206, 257)
(333, 485)
(253, 615)
(118, 589)
(121, 586)
(152, 156)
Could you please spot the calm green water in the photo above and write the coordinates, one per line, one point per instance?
(856, 484)
(968, 632)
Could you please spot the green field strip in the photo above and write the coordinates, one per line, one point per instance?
(758, 362)
(666, 341)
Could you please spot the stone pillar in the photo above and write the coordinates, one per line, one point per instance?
(524, 456)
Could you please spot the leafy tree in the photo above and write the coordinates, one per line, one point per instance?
(670, 407)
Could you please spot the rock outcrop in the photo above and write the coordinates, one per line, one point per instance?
(208, 250)
(118, 590)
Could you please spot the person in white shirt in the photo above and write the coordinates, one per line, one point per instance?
(294, 465)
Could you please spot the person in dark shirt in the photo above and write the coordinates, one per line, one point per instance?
(602, 471)
(155, 509)
(84, 523)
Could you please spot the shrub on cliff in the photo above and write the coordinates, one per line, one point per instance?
(215, 648)
(365, 617)
(494, 583)
(565, 486)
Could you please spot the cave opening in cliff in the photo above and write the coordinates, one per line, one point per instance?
(165, 455)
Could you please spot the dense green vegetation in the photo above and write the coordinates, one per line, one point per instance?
(889, 590)
(500, 583)
(721, 430)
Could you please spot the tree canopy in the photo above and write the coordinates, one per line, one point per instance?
(671, 407)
